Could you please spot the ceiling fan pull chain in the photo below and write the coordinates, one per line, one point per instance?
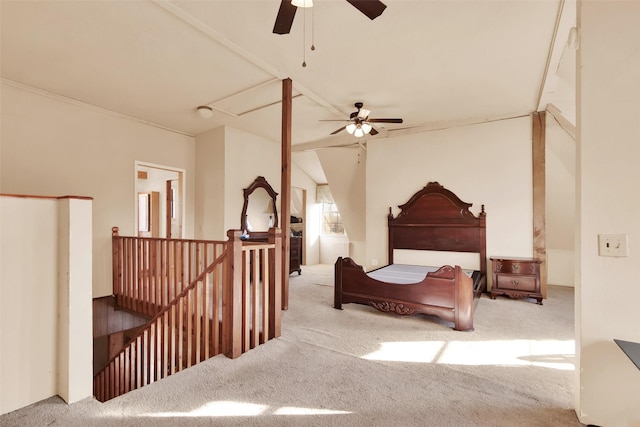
(304, 37)
(313, 29)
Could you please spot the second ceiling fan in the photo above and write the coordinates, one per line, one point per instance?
(371, 8)
(360, 122)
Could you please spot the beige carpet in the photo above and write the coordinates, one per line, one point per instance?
(360, 367)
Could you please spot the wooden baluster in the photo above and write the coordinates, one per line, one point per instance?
(206, 317)
(155, 258)
(180, 342)
(247, 276)
(139, 359)
(275, 283)
(130, 283)
(174, 331)
(253, 302)
(189, 330)
(120, 376)
(158, 348)
(141, 296)
(112, 379)
(197, 333)
(216, 296)
(264, 303)
(163, 273)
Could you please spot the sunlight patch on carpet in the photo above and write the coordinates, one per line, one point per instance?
(242, 409)
(553, 354)
(220, 408)
(288, 410)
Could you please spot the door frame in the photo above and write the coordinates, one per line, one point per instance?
(181, 176)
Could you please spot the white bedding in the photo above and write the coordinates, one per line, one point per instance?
(404, 273)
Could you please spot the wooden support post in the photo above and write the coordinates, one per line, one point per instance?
(232, 298)
(285, 187)
(539, 194)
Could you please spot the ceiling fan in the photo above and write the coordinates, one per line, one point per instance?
(371, 8)
(360, 122)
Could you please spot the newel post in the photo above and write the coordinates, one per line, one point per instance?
(276, 289)
(232, 297)
(116, 273)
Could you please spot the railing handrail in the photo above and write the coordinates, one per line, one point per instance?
(116, 230)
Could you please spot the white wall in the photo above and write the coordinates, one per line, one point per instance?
(53, 147)
(209, 186)
(560, 218)
(608, 199)
(45, 300)
(29, 296)
(228, 160)
(248, 156)
(486, 164)
(333, 246)
(312, 221)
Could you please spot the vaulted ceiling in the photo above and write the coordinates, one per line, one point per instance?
(428, 62)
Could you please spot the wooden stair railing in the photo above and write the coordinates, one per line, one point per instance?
(148, 272)
(232, 305)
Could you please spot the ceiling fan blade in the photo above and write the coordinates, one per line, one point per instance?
(371, 8)
(284, 20)
(385, 120)
(373, 131)
(338, 130)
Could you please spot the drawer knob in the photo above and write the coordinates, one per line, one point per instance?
(515, 267)
(515, 282)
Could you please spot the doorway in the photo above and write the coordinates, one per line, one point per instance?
(159, 200)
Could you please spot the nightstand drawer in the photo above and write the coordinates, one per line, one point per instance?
(515, 282)
(515, 267)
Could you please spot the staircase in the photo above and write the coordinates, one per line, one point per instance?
(204, 298)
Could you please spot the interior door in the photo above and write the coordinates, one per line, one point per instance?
(173, 209)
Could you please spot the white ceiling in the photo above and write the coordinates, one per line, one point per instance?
(428, 62)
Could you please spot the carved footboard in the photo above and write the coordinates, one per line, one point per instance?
(446, 293)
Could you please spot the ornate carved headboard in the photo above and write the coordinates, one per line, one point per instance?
(436, 219)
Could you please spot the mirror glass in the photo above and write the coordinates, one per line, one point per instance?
(259, 210)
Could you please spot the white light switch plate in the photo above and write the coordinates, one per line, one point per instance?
(615, 245)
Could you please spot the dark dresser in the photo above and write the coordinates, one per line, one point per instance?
(295, 254)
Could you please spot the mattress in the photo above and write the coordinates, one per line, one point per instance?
(405, 273)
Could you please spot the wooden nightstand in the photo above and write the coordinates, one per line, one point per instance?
(516, 277)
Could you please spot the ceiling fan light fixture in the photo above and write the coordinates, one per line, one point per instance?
(302, 3)
(366, 127)
(205, 111)
(351, 127)
(358, 132)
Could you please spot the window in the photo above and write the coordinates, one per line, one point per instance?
(331, 221)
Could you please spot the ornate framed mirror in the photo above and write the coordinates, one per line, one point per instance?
(259, 211)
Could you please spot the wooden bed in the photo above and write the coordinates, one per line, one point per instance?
(433, 219)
